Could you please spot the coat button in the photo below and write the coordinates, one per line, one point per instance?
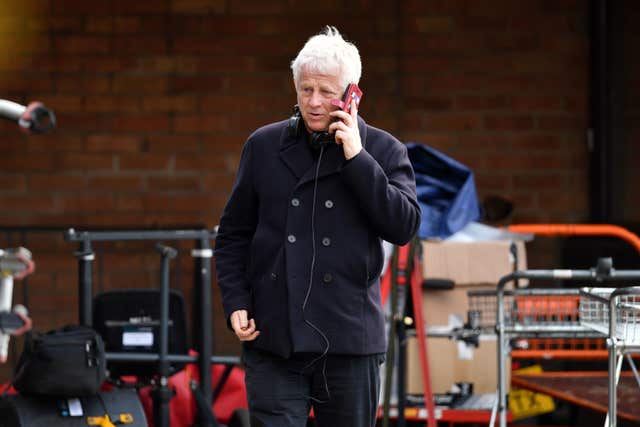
(295, 202)
(328, 278)
(328, 204)
(326, 241)
(274, 276)
(291, 238)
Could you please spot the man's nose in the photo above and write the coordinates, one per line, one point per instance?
(315, 99)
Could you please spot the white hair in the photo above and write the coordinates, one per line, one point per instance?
(328, 53)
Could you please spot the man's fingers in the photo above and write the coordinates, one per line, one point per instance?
(244, 328)
(354, 110)
(239, 319)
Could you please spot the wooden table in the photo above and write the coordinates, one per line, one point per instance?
(586, 388)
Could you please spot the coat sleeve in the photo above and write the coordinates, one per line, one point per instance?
(235, 232)
(387, 194)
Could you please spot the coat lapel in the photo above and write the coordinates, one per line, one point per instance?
(296, 156)
(300, 161)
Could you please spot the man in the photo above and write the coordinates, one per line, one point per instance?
(299, 254)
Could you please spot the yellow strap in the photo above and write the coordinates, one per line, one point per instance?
(100, 421)
(126, 418)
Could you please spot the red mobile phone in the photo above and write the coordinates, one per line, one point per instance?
(353, 92)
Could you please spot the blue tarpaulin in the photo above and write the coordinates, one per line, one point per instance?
(446, 192)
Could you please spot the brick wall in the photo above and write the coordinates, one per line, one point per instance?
(155, 99)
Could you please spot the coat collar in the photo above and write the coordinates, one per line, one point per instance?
(300, 161)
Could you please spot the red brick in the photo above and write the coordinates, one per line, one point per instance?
(81, 83)
(25, 82)
(80, 7)
(139, 44)
(140, 84)
(111, 143)
(263, 83)
(452, 122)
(112, 104)
(251, 7)
(173, 143)
(201, 123)
(482, 102)
(240, 46)
(85, 203)
(47, 183)
(26, 202)
(182, 203)
(99, 24)
(217, 182)
(105, 64)
(13, 184)
(59, 103)
(19, 163)
(561, 122)
(145, 162)
(128, 203)
(80, 121)
(429, 24)
(140, 123)
(541, 182)
(174, 183)
(186, 162)
(114, 183)
(168, 103)
(77, 45)
(504, 122)
(196, 83)
(432, 103)
(537, 142)
(84, 162)
(25, 7)
(198, 6)
(124, 7)
(127, 24)
(165, 64)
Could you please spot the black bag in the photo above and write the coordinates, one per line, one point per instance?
(66, 362)
(122, 406)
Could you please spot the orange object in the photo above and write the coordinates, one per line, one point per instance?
(579, 230)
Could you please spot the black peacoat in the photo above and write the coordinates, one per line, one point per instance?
(276, 216)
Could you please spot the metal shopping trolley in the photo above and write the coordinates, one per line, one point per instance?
(535, 312)
(614, 313)
(519, 314)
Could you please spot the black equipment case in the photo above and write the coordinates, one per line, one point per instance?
(129, 321)
(122, 406)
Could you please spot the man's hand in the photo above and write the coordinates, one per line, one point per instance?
(346, 130)
(28, 324)
(244, 328)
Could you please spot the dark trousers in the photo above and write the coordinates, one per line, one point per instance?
(342, 389)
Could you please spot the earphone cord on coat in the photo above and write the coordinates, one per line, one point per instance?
(306, 298)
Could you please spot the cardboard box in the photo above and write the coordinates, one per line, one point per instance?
(471, 263)
(447, 366)
(472, 266)
(438, 306)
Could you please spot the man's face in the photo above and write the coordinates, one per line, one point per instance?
(315, 93)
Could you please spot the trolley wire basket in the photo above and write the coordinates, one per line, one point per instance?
(529, 312)
(595, 306)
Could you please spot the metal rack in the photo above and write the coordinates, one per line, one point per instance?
(536, 312)
(614, 313)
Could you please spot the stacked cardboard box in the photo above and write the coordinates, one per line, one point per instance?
(472, 266)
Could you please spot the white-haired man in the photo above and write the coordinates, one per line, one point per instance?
(298, 253)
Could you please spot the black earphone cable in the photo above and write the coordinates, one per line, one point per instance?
(311, 274)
